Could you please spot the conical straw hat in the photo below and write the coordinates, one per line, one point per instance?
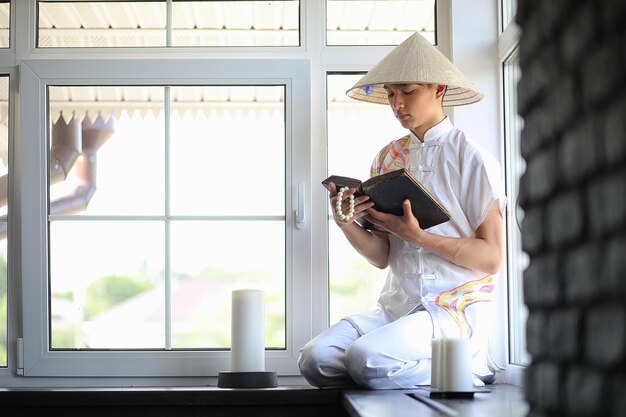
(415, 60)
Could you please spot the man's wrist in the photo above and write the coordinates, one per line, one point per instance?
(419, 237)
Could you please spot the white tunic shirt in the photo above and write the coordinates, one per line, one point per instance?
(467, 181)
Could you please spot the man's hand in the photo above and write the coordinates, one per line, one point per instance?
(372, 246)
(406, 227)
(361, 205)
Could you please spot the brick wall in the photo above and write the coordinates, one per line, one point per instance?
(572, 96)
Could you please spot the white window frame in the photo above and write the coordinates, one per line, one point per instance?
(517, 336)
(35, 77)
(463, 32)
(8, 218)
(7, 67)
(508, 42)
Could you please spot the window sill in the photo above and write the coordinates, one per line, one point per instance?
(205, 401)
(503, 400)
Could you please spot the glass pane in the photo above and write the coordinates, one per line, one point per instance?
(356, 132)
(209, 261)
(228, 150)
(126, 151)
(236, 23)
(4, 334)
(5, 23)
(4, 193)
(509, 9)
(4, 150)
(107, 285)
(114, 24)
(107, 150)
(98, 24)
(379, 22)
(518, 260)
(354, 282)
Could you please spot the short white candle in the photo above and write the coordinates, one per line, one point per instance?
(456, 361)
(435, 363)
(248, 331)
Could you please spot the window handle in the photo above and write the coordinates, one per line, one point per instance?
(300, 211)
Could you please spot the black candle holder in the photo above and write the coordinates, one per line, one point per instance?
(261, 379)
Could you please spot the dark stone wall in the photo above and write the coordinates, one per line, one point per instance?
(572, 96)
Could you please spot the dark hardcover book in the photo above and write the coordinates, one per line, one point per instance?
(389, 190)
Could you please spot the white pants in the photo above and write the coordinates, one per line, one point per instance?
(386, 355)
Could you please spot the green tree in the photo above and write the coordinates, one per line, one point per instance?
(355, 290)
(110, 290)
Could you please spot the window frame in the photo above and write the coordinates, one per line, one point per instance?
(310, 294)
(508, 45)
(11, 289)
(35, 76)
(167, 31)
(517, 338)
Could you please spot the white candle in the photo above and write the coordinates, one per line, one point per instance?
(248, 331)
(435, 364)
(456, 362)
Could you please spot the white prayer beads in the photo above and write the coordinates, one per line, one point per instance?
(339, 202)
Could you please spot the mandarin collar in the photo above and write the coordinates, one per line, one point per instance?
(435, 132)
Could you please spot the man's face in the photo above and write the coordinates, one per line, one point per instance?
(414, 105)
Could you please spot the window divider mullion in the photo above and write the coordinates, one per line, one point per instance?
(168, 23)
(167, 222)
